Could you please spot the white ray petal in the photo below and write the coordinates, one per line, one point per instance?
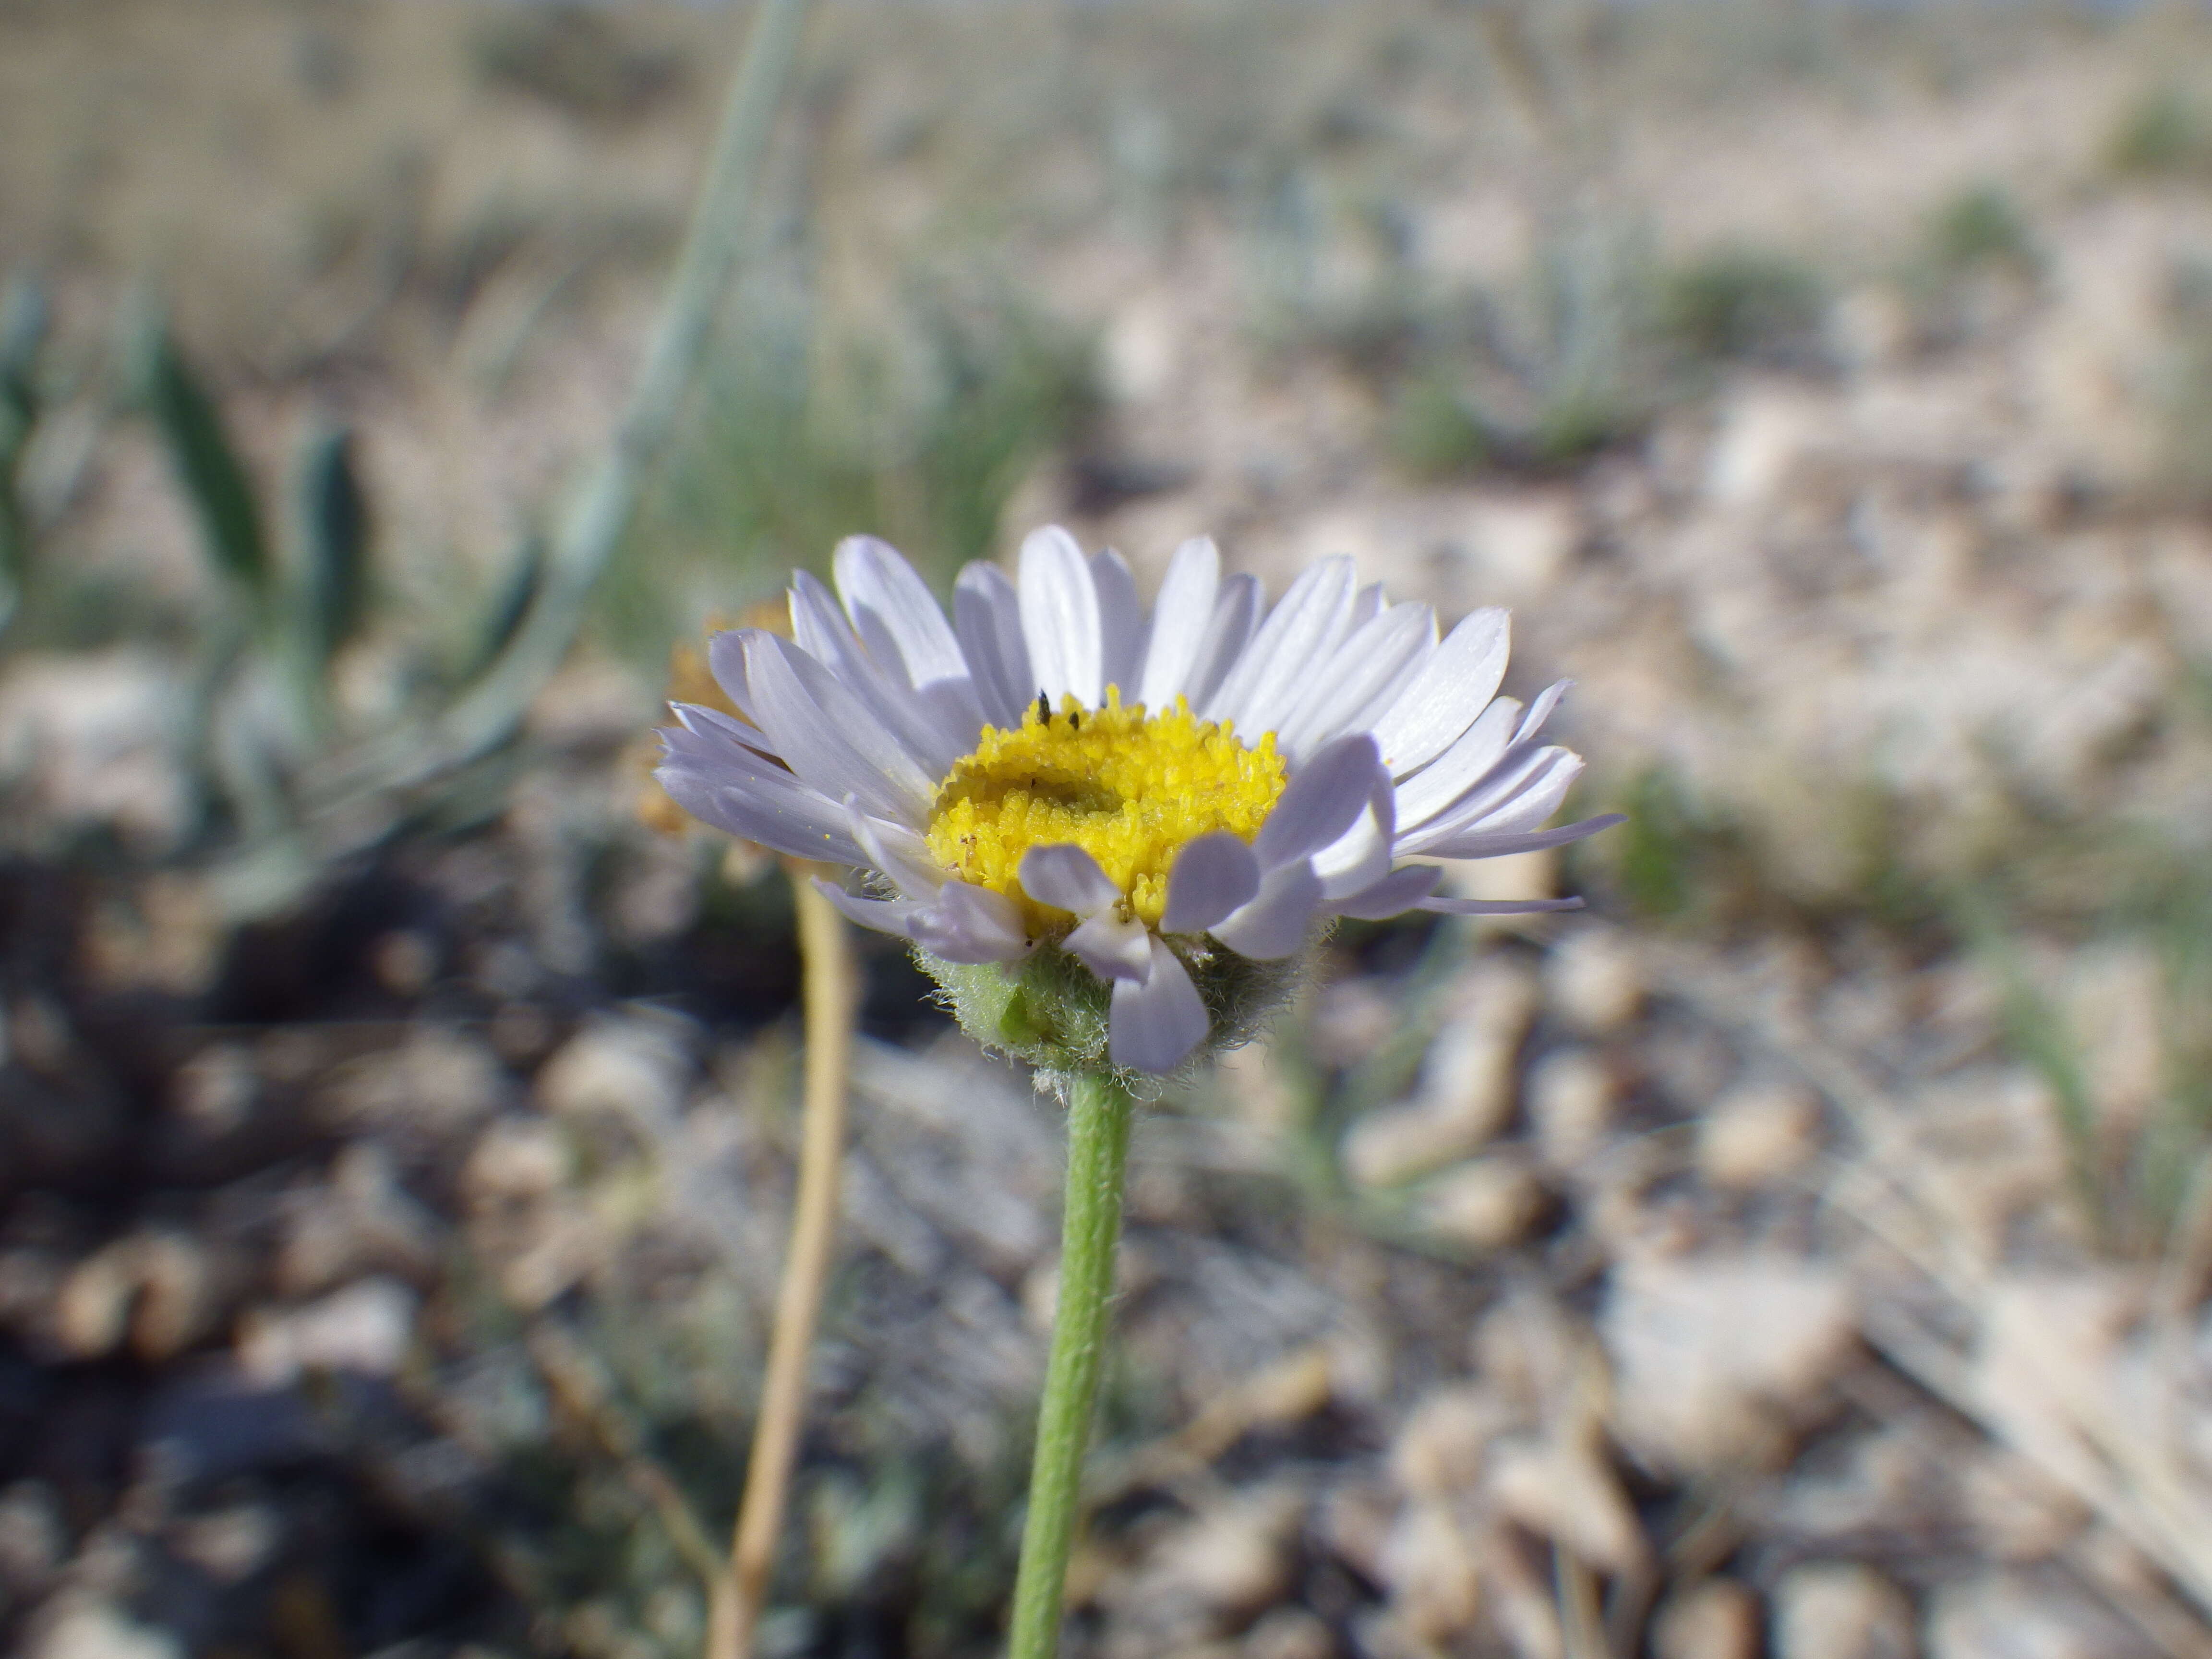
(1229, 633)
(1498, 844)
(1394, 895)
(1060, 617)
(752, 813)
(1535, 800)
(704, 722)
(741, 792)
(892, 916)
(988, 617)
(819, 626)
(1300, 633)
(726, 661)
(1319, 802)
(1361, 856)
(1212, 875)
(821, 730)
(896, 851)
(1155, 1024)
(1181, 617)
(1120, 625)
(971, 924)
(1454, 907)
(934, 734)
(890, 603)
(1068, 879)
(1384, 654)
(1110, 947)
(1528, 776)
(1277, 920)
(1447, 694)
(1540, 710)
(1459, 767)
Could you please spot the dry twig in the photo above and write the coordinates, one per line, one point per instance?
(741, 1595)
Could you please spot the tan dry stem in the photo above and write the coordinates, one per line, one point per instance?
(829, 989)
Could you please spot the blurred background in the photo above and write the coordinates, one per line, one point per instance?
(1803, 1252)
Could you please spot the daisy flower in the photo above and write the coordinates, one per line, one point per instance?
(1111, 836)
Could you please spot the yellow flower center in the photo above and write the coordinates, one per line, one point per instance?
(1131, 790)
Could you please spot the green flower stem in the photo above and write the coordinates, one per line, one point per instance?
(1098, 1114)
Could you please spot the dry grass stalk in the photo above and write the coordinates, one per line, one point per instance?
(831, 987)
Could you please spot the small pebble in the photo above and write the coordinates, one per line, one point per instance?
(215, 1090)
(1443, 1446)
(91, 1311)
(1435, 1582)
(32, 1538)
(1592, 979)
(1840, 1610)
(517, 1158)
(2002, 1616)
(1571, 1105)
(179, 1298)
(363, 1221)
(1716, 1619)
(1563, 1490)
(230, 1544)
(1468, 1087)
(1467, 1077)
(365, 1328)
(1233, 1557)
(521, 1032)
(2016, 1511)
(1758, 1135)
(438, 1083)
(100, 1630)
(1487, 1202)
(1718, 1358)
(632, 1069)
(1289, 1633)
(405, 962)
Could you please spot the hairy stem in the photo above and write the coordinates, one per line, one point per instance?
(828, 990)
(1099, 1111)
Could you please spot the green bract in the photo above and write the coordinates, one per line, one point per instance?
(1052, 1012)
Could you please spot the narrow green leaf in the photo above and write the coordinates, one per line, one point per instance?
(23, 316)
(207, 466)
(14, 550)
(335, 528)
(517, 592)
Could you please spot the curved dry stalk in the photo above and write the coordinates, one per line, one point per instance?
(830, 987)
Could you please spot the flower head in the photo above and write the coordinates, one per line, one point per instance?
(1110, 835)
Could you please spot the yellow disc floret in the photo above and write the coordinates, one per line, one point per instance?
(1131, 790)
